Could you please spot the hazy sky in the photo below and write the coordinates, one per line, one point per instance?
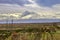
(29, 9)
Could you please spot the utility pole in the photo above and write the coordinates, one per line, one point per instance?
(12, 22)
(7, 23)
(11, 17)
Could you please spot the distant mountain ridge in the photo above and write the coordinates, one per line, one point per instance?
(31, 21)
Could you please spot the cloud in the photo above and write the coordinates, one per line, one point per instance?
(48, 3)
(29, 11)
(19, 2)
(26, 17)
(11, 8)
(33, 4)
(44, 12)
(10, 16)
(8, 10)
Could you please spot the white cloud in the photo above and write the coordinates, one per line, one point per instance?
(10, 16)
(33, 4)
(45, 12)
(17, 11)
(8, 10)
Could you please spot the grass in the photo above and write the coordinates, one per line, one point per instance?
(31, 36)
(31, 33)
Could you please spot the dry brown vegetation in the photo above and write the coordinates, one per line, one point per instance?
(24, 25)
(30, 31)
